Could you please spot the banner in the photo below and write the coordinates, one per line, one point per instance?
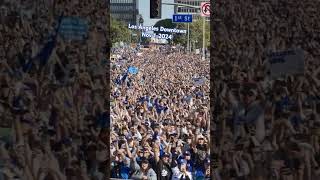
(133, 70)
(286, 63)
(198, 81)
(73, 28)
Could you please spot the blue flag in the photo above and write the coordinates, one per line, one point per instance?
(133, 70)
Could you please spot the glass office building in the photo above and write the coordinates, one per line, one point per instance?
(125, 10)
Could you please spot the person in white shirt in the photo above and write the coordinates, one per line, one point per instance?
(181, 172)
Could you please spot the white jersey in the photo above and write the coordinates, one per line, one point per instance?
(177, 174)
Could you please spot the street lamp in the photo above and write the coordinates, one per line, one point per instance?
(203, 27)
(141, 20)
(141, 23)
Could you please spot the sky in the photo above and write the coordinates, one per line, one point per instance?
(144, 9)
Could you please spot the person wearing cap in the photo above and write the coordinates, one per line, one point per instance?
(203, 171)
(190, 161)
(143, 172)
(187, 145)
(180, 170)
(120, 165)
(163, 167)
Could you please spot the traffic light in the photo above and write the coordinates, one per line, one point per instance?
(155, 9)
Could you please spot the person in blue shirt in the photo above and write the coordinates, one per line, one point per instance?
(161, 107)
(120, 166)
(123, 77)
(296, 118)
(189, 162)
(150, 105)
(203, 171)
(282, 101)
(25, 58)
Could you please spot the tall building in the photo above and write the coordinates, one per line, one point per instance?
(125, 10)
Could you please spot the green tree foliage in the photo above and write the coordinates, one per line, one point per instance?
(177, 38)
(119, 31)
(167, 23)
(181, 38)
(196, 32)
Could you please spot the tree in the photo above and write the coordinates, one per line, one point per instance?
(181, 38)
(167, 23)
(177, 38)
(119, 31)
(196, 32)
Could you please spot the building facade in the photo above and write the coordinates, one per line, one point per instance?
(188, 10)
(125, 10)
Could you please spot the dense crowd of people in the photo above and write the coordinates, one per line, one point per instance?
(52, 99)
(54, 118)
(159, 115)
(266, 127)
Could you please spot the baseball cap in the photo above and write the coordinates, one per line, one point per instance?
(173, 134)
(166, 155)
(129, 138)
(144, 161)
(188, 137)
(187, 153)
(147, 123)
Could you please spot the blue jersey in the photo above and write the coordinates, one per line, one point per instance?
(122, 171)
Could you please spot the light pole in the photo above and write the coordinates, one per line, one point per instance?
(204, 19)
(184, 5)
(204, 39)
(141, 23)
(188, 42)
(195, 44)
